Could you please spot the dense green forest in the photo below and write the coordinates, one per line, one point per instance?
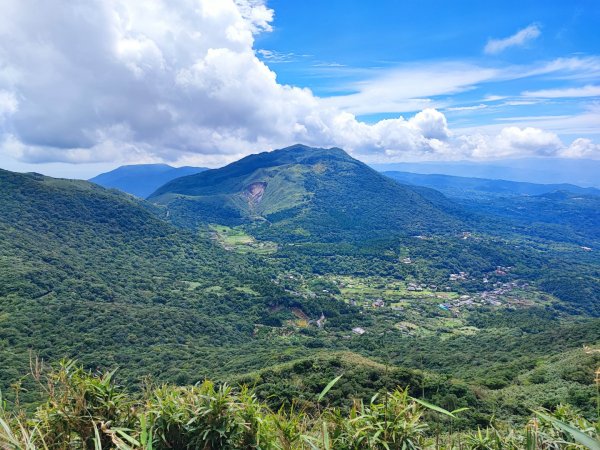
(288, 269)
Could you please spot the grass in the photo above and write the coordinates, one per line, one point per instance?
(236, 239)
(90, 411)
(393, 292)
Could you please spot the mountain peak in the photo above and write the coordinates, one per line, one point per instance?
(294, 154)
(142, 179)
(305, 149)
(302, 150)
(302, 190)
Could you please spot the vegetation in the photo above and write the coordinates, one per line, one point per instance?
(309, 195)
(296, 267)
(90, 411)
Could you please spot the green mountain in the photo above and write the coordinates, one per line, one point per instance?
(93, 273)
(142, 179)
(308, 194)
(106, 278)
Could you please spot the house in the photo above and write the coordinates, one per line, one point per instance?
(358, 330)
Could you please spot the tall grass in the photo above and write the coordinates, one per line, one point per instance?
(90, 411)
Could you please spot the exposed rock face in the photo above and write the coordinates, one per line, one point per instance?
(255, 191)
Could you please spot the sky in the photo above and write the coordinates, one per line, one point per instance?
(88, 85)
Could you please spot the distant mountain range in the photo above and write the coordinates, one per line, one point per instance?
(581, 172)
(142, 179)
(479, 188)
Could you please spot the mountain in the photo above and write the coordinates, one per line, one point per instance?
(475, 188)
(93, 273)
(104, 277)
(581, 172)
(306, 193)
(142, 179)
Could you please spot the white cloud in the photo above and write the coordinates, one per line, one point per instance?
(406, 88)
(520, 102)
(493, 98)
(276, 57)
(585, 91)
(528, 141)
(180, 81)
(582, 148)
(411, 87)
(509, 142)
(467, 108)
(518, 39)
(8, 103)
(431, 123)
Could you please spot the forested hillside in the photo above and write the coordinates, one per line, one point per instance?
(301, 274)
(93, 273)
(306, 194)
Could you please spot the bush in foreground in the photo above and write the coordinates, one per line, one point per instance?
(89, 411)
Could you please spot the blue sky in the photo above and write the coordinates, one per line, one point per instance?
(87, 86)
(331, 46)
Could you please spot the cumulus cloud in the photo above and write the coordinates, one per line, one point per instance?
(582, 148)
(180, 81)
(518, 39)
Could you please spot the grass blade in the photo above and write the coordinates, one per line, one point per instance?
(578, 435)
(328, 387)
(434, 407)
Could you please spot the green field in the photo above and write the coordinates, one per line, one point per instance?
(236, 239)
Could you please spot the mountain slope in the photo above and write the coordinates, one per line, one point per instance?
(142, 179)
(90, 273)
(94, 274)
(301, 192)
(481, 188)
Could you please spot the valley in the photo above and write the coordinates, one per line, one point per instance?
(283, 225)
(229, 278)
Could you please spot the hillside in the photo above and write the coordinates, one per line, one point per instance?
(306, 194)
(547, 211)
(99, 275)
(92, 273)
(142, 179)
(482, 188)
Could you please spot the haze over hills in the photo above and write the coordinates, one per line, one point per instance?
(310, 193)
(465, 187)
(580, 172)
(142, 179)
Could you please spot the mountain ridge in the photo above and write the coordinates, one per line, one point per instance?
(311, 190)
(581, 172)
(142, 179)
(468, 187)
